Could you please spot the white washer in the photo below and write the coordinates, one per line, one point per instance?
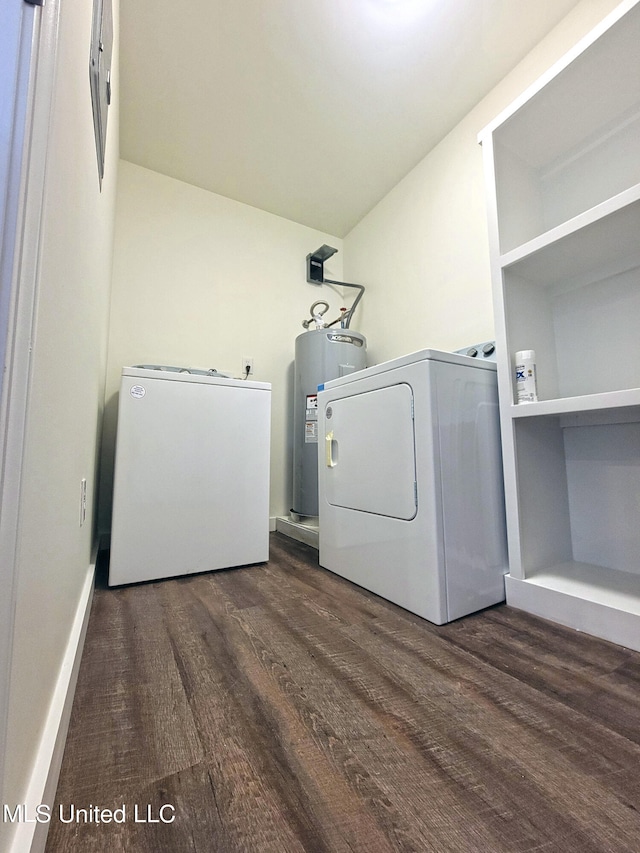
(410, 483)
(191, 488)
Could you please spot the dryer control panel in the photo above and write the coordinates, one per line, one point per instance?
(485, 351)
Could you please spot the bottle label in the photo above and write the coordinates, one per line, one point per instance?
(526, 384)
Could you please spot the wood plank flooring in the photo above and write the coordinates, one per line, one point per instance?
(279, 708)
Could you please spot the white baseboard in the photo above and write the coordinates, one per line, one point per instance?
(272, 524)
(42, 785)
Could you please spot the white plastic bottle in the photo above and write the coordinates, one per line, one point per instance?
(526, 380)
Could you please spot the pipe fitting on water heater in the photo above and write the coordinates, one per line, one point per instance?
(315, 275)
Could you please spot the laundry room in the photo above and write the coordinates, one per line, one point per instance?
(185, 243)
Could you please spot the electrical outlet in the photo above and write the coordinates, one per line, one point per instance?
(83, 501)
(247, 362)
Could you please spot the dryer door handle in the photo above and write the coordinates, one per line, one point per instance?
(331, 450)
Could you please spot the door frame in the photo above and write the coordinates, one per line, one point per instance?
(28, 46)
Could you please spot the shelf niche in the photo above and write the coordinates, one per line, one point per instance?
(574, 142)
(579, 493)
(586, 339)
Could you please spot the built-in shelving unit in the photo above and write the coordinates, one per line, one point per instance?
(563, 184)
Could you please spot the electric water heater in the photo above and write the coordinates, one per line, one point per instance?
(321, 355)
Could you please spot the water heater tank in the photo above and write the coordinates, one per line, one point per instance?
(321, 355)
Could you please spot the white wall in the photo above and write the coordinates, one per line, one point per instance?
(422, 252)
(66, 393)
(202, 281)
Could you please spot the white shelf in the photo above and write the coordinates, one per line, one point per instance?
(596, 244)
(628, 399)
(599, 584)
(589, 598)
(564, 207)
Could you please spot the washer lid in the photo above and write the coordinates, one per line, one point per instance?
(159, 373)
(193, 370)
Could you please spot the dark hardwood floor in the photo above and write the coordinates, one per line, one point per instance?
(279, 708)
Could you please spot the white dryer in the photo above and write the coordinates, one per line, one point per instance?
(411, 497)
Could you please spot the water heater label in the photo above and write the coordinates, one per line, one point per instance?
(345, 339)
(137, 391)
(311, 432)
(311, 420)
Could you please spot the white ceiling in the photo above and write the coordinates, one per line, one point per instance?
(310, 109)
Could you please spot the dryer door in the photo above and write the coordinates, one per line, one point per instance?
(369, 455)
